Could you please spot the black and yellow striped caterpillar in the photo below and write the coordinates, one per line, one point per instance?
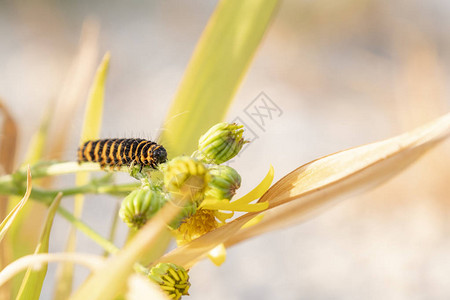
(122, 152)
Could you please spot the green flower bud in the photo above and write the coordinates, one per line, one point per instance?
(173, 279)
(140, 205)
(224, 183)
(220, 143)
(186, 177)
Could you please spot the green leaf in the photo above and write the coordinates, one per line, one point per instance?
(216, 69)
(94, 110)
(6, 223)
(33, 280)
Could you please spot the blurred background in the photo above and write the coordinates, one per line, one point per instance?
(342, 73)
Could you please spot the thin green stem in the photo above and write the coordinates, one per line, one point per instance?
(94, 187)
(113, 229)
(46, 197)
(48, 168)
(88, 231)
(13, 184)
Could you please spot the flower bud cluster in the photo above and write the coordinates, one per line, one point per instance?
(172, 279)
(220, 143)
(187, 181)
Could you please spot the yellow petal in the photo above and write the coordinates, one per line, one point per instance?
(225, 204)
(188, 254)
(218, 255)
(259, 190)
(223, 216)
(254, 221)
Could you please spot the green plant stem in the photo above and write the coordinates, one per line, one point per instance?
(88, 231)
(91, 188)
(44, 169)
(80, 225)
(113, 229)
(13, 185)
(46, 195)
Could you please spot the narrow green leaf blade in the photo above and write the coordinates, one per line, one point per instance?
(94, 109)
(215, 71)
(23, 244)
(33, 280)
(6, 223)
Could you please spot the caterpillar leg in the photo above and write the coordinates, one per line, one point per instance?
(134, 163)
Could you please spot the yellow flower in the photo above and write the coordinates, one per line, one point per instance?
(213, 213)
(186, 178)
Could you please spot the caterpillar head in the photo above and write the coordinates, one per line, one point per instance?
(160, 155)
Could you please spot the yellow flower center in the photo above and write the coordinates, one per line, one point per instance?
(203, 221)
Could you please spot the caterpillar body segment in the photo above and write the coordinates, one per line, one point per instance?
(122, 152)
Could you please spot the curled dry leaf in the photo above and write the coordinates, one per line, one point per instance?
(8, 143)
(318, 183)
(8, 140)
(323, 181)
